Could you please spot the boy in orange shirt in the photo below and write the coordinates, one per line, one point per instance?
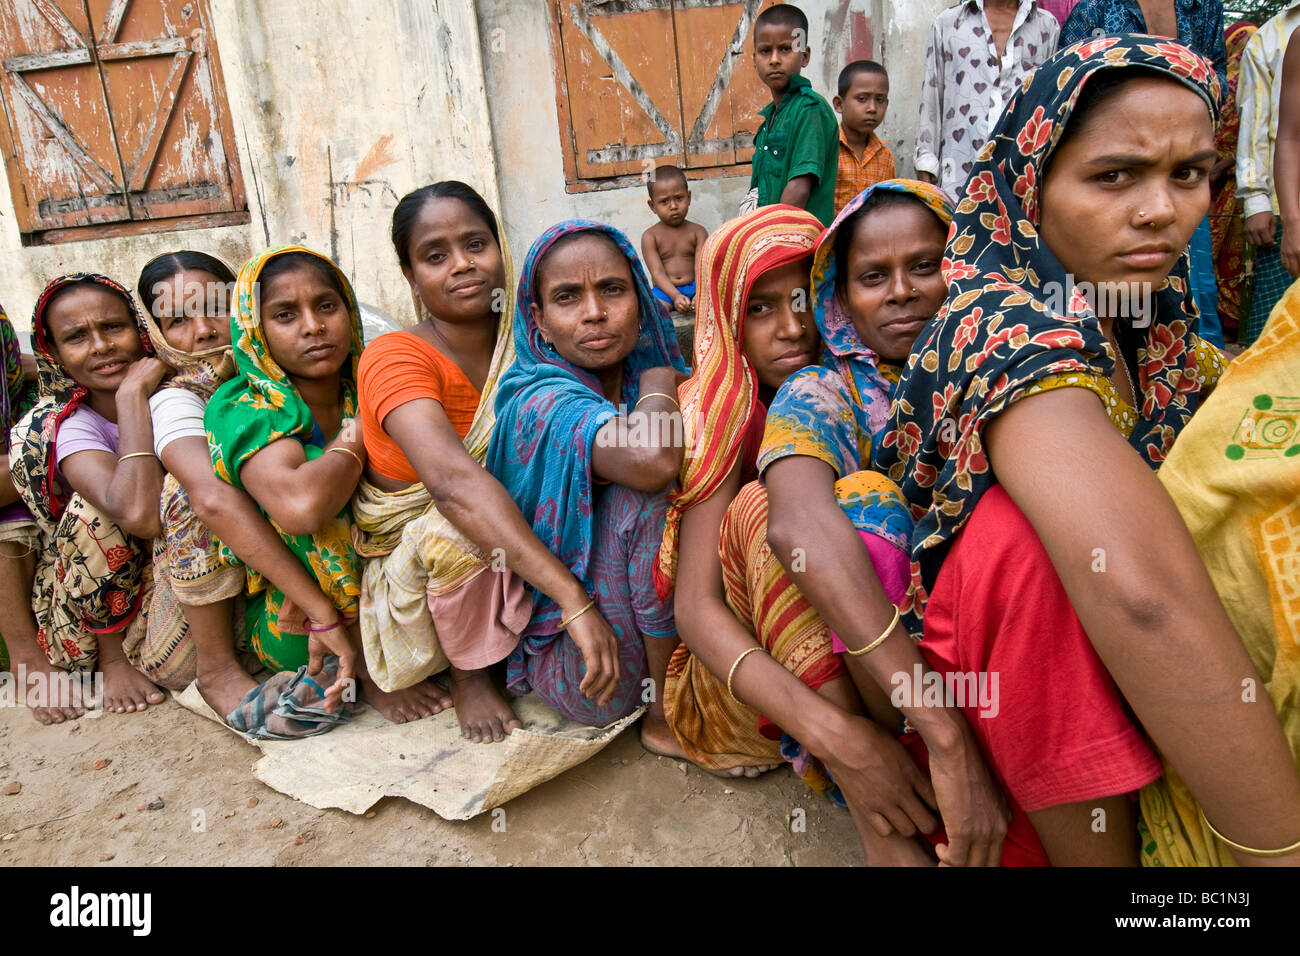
(864, 159)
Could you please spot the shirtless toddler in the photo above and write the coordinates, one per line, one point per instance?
(669, 245)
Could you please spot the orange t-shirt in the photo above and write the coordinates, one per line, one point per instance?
(399, 367)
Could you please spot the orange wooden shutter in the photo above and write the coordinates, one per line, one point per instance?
(159, 67)
(115, 110)
(58, 142)
(621, 77)
(721, 92)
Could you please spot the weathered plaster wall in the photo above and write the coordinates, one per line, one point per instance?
(339, 108)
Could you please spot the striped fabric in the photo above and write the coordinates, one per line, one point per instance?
(721, 396)
(717, 731)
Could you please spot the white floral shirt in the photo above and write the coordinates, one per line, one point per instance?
(967, 84)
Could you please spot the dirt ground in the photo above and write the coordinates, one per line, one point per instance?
(624, 806)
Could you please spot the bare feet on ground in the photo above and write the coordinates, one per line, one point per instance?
(410, 703)
(658, 738)
(224, 686)
(126, 690)
(484, 715)
(69, 709)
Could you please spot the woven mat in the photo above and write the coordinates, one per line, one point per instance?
(427, 762)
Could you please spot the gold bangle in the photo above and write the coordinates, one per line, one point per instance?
(136, 454)
(881, 639)
(656, 395)
(1283, 851)
(578, 613)
(349, 451)
(732, 673)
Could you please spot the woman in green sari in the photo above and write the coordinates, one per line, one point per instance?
(272, 428)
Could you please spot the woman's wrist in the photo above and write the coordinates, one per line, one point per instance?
(942, 728)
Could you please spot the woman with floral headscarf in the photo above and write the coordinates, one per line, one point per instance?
(82, 460)
(287, 421)
(1025, 434)
(584, 443)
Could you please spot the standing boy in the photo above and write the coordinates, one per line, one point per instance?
(669, 246)
(862, 101)
(796, 147)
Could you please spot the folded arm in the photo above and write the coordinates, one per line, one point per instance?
(1153, 617)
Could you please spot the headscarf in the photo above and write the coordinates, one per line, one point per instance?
(995, 337)
(720, 398)
(199, 372)
(261, 405)
(844, 350)
(34, 456)
(548, 413)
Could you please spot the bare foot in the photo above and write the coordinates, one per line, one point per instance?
(224, 685)
(127, 690)
(658, 738)
(484, 715)
(69, 707)
(750, 772)
(410, 703)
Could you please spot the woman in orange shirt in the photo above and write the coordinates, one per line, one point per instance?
(449, 549)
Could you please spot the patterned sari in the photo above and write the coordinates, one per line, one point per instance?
(91, 576)
(17, 397)
(997, 338)
(1227, 229)
(187, 564)
(413, 553)
(260, 405)
(1235, 476)
(720, 409)
(548, 414)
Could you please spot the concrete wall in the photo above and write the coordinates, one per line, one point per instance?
(339, 108)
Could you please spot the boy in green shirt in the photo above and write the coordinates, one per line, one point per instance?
(796, 149)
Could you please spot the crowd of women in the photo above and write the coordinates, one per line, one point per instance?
(890, 457)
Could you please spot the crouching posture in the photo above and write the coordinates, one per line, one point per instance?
(585, 445)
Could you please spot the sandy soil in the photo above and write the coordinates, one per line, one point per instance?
(624, 806)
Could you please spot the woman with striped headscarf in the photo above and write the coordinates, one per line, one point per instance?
(759, 678)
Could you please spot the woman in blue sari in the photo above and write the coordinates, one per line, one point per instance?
(578, 445)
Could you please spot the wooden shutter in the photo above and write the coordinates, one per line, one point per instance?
(721, 91)
(115, 112)
(646, 82)
(619, 64)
